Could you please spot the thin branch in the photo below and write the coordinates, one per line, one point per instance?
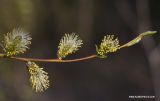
(49, 60)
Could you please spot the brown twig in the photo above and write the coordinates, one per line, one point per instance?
(51, 60)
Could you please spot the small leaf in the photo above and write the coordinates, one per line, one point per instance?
(134, 41)
(138, 39)
(149, 33)
(98, 54)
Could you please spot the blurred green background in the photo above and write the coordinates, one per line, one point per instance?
(128, 72)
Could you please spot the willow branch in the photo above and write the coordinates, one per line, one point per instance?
(48, 60)
(130, 43)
